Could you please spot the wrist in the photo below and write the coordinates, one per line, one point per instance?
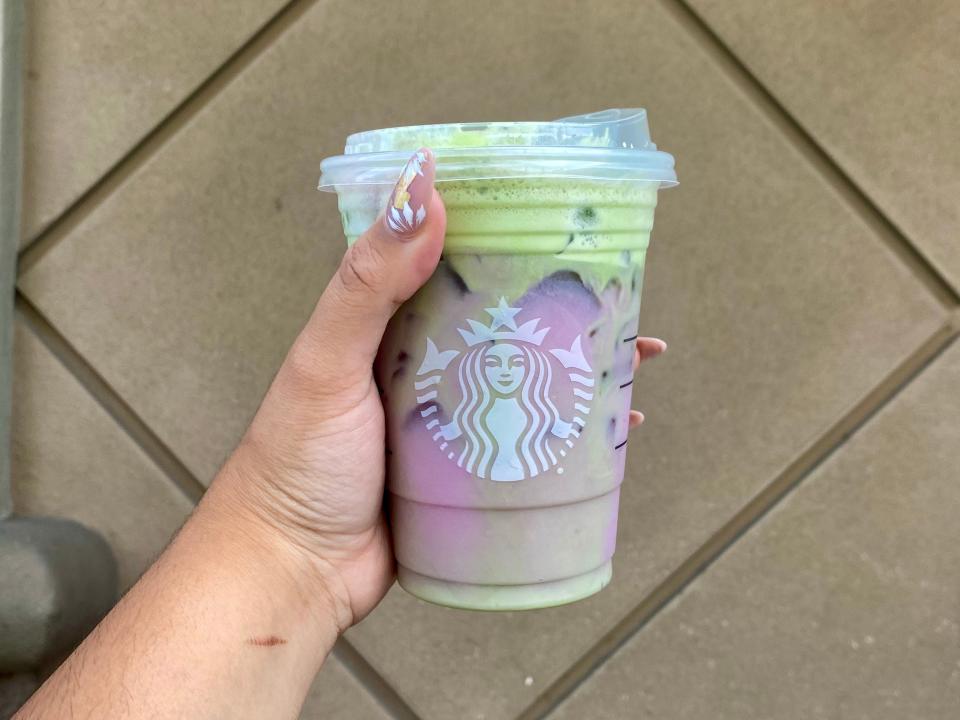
(231, 512)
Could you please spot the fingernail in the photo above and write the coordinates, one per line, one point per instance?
(407, 209)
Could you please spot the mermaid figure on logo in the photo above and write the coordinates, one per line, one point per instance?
(506, 417)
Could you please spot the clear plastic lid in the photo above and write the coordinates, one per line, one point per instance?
(606, 145)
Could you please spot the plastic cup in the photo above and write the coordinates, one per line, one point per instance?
(506, 379)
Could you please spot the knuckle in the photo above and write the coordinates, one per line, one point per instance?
(311, 373)
(302, 363)
(363, 268)
(308, 372)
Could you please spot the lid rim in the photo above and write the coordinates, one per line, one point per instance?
(584, 163)
(663, 178)
(661, 183)
(611, 128)
(612, 144)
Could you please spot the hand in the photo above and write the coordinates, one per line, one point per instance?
(311, 467)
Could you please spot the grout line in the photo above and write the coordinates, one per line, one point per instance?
(147, 147)
(808, 146)
(954, 319)
(748, 516)
(109, 400)
(374, 683)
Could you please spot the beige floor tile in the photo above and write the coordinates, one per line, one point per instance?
(101, 75)
(335, 695)
(186, 286)
(877, 84)
(71, 460)
(843, 603)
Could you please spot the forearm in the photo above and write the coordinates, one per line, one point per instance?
(227, 624)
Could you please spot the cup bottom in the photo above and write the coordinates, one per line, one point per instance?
(501, 598)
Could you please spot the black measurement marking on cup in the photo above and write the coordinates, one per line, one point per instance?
(626, 384)
(631, 339)
(617, 447)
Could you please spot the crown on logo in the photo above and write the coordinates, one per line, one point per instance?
(503, 315)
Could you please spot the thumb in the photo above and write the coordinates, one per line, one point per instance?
(381, 270)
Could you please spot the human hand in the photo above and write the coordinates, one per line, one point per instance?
(310, 470)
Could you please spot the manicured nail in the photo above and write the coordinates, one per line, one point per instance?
(407, 209)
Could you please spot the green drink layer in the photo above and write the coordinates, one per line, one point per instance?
(601, 228)
(527, 215)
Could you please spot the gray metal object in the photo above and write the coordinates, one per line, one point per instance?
(11, 32)
(14, 691)
(57, 578)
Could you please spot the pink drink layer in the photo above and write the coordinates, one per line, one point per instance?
(506, 383)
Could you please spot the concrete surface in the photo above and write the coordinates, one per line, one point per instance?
(841, 603)
(100, 76)
(871, 80)
(801, 274)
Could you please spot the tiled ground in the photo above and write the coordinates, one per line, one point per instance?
(70, 459)
(100, 77)
(872, 81)
(785, 311)
(842, 603)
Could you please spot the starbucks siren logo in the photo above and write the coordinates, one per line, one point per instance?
(506, 426)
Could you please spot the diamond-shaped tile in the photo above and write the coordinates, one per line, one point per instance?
(100, 76)
(781, 308)
(336, 695)
(877, 84)
(842, 603)
(71, 460)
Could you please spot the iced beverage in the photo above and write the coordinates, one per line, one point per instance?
(507, 378)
